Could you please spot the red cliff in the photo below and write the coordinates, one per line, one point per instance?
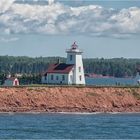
(69, 99)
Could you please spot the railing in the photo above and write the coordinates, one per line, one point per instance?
(74, 50)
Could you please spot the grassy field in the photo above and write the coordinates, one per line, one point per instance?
(76, 86)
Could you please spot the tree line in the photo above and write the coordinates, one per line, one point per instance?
(34, 67)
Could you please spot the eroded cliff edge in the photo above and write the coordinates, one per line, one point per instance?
(69, 99)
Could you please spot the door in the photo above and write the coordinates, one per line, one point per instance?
(16, 82)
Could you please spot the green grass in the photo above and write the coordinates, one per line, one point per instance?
(76, 86)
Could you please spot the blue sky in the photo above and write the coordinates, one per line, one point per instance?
(101, 28)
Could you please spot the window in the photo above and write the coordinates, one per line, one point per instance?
(63, 77)
(57, 78)
(79, 69)
(80, 78)
(70, 57)
(51, 77)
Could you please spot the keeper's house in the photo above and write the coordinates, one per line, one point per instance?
(68, 73)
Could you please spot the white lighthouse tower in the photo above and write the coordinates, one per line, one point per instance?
(74, 56)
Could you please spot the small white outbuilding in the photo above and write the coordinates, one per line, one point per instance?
(11, 81)
(68, 73)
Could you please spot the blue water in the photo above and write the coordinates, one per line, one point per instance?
(111, 81)
(69, 126)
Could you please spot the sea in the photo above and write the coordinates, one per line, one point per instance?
(111, 81)
(69, 126)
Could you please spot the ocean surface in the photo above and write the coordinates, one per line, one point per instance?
(111, 81)
(69, 126)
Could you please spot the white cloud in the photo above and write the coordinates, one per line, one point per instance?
(50, 2)
(127, 20)
(5, 5)
(56, 18)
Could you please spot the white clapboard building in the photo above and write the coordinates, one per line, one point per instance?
(68, 73)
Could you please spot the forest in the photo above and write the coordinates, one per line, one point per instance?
(32, 68)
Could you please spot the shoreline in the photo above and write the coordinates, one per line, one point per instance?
(70, 113)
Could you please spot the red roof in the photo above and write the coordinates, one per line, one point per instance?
(60, 68)
(11, 78)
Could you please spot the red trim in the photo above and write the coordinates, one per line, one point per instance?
(11, 78)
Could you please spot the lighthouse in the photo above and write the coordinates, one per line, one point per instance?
(74, 56)
(69, 73)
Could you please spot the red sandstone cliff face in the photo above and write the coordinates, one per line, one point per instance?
(70, 99)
